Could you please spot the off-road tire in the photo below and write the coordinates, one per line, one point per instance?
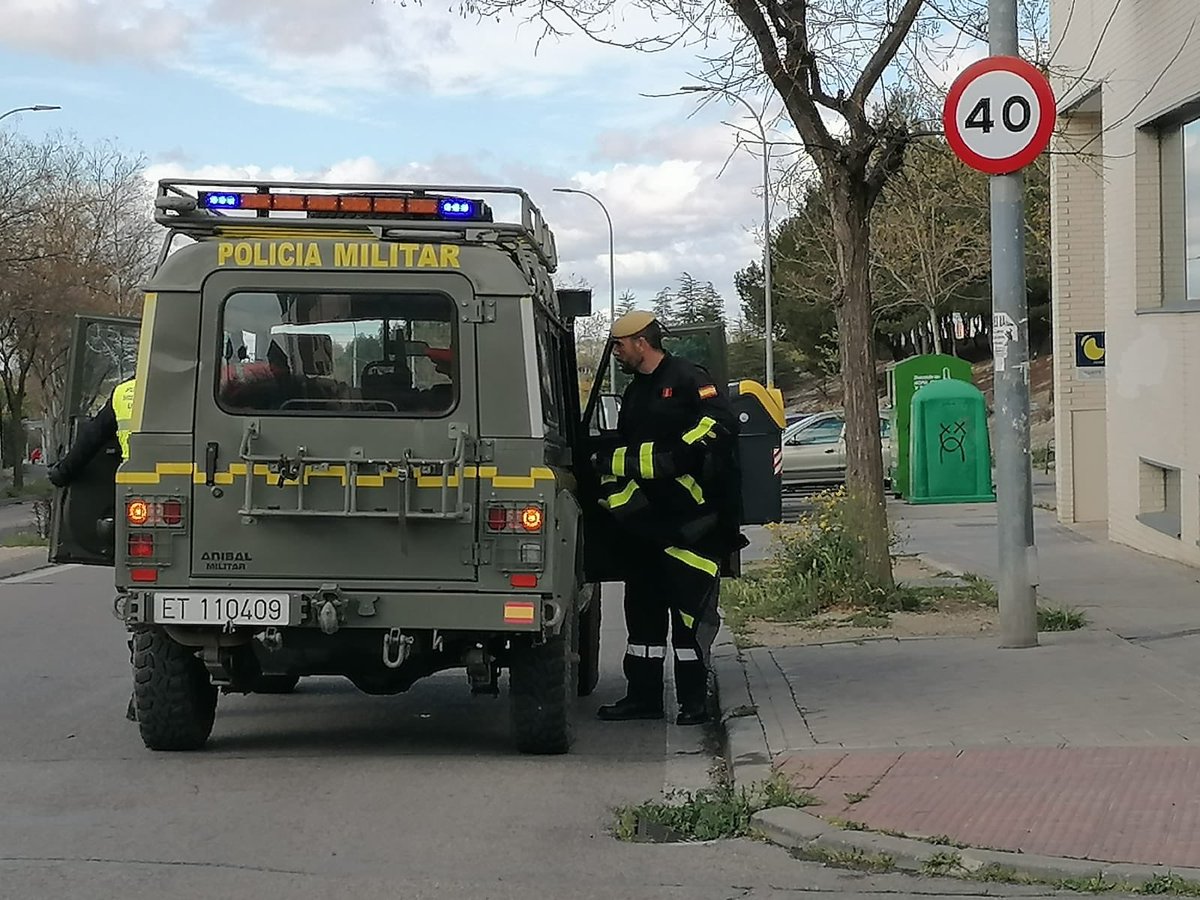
(276, 684)
(542, 686)
(589, 645)
(176, 701)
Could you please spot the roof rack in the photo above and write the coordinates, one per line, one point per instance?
(202, 208)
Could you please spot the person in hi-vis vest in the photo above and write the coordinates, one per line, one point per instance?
(114, 420)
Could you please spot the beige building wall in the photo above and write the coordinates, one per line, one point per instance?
(1133, 80)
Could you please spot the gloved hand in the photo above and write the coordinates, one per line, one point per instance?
(57, 476)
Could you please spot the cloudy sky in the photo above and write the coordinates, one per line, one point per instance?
(393, 90)
(363, 90)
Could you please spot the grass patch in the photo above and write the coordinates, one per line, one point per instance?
(1060, 618)
(857, 797)
(39, 489)
(24, 539)
(709, 814)
(943, 863)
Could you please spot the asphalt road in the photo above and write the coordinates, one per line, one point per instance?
(330, 793)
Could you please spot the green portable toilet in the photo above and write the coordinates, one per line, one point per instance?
(950, 459)
(904, 380)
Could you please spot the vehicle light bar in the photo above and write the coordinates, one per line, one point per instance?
(383, 206)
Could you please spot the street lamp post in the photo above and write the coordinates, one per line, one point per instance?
(37, 108)
(768, 320)
(612, 277)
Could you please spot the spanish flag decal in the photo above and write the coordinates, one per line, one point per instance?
(708, 392)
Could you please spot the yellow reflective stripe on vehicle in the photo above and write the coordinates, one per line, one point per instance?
(622, 497)
(701, 430)
(365, 480)
(695, 560)
(618, 462)
(693, 488)
(689, 621)
(646, 460)
(160, 470)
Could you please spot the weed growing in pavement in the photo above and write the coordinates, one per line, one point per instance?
(943, 864)
(856, 797)
(709, 814)
(1060, 618)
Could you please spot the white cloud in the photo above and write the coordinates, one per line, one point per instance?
(669, 216)
(90, 30)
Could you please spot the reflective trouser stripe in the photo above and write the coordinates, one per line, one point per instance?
(692, 487)
(701, 430)
(695, 560)
(622, 497)
(646, 461)
(645, 651)
(618, 462)
(686, 655)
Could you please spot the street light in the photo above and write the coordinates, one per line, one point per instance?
(612, 278)
(38, 108)
(766, 176)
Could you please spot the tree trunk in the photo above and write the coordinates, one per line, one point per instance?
(14, 450)
(937, 334)
(856, 333)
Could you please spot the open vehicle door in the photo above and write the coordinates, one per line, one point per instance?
(703, 344)
(103, 354)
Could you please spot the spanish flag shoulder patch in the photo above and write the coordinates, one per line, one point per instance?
(708, 391)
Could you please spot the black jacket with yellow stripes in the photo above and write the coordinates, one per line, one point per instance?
(674, 479)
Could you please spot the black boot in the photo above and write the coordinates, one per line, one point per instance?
(643, 699)
(629, 708)
(691, 688)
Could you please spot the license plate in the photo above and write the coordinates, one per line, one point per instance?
(207, 608)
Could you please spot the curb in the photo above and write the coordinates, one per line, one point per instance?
(814, 838)
(19, 561)
(743, 741)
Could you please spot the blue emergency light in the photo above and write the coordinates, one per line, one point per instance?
(458, 208)
(215, 200)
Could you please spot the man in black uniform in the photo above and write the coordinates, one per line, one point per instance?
(674, 486)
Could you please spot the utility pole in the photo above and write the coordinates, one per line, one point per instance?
(1010, 342)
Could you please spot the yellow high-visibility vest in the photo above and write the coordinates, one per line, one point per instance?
(122, 401)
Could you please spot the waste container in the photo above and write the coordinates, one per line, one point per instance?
(904, 380)
(950, 459)
(761, 421)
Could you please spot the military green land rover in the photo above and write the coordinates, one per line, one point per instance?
(358, 449)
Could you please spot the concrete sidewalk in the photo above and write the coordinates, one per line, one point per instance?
(1087, 747)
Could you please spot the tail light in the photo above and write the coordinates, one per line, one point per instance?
(141, 545)
(154, 512)
(137, 512)
(521, 518)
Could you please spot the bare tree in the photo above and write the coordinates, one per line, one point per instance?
(80, 241)
(930, 235)
(825, 60)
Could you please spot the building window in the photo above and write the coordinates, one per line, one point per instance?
(1179, 177)
(1158, 498)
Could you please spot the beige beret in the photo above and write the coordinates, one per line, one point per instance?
(632, 323)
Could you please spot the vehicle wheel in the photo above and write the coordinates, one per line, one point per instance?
(276, 684)
(589, 644)
(176, 701)
(542, 693)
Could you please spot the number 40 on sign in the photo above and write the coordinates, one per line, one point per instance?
(999, 115)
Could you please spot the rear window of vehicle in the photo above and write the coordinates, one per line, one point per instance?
(343, 354)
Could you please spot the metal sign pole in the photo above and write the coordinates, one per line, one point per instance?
(1010, 344)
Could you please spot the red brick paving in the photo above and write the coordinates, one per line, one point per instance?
(1115, 804)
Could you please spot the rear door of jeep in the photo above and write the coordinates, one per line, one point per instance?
(334, 426)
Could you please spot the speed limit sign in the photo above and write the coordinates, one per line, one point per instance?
(999, 115)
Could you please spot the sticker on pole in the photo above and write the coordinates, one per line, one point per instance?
(999, 115)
